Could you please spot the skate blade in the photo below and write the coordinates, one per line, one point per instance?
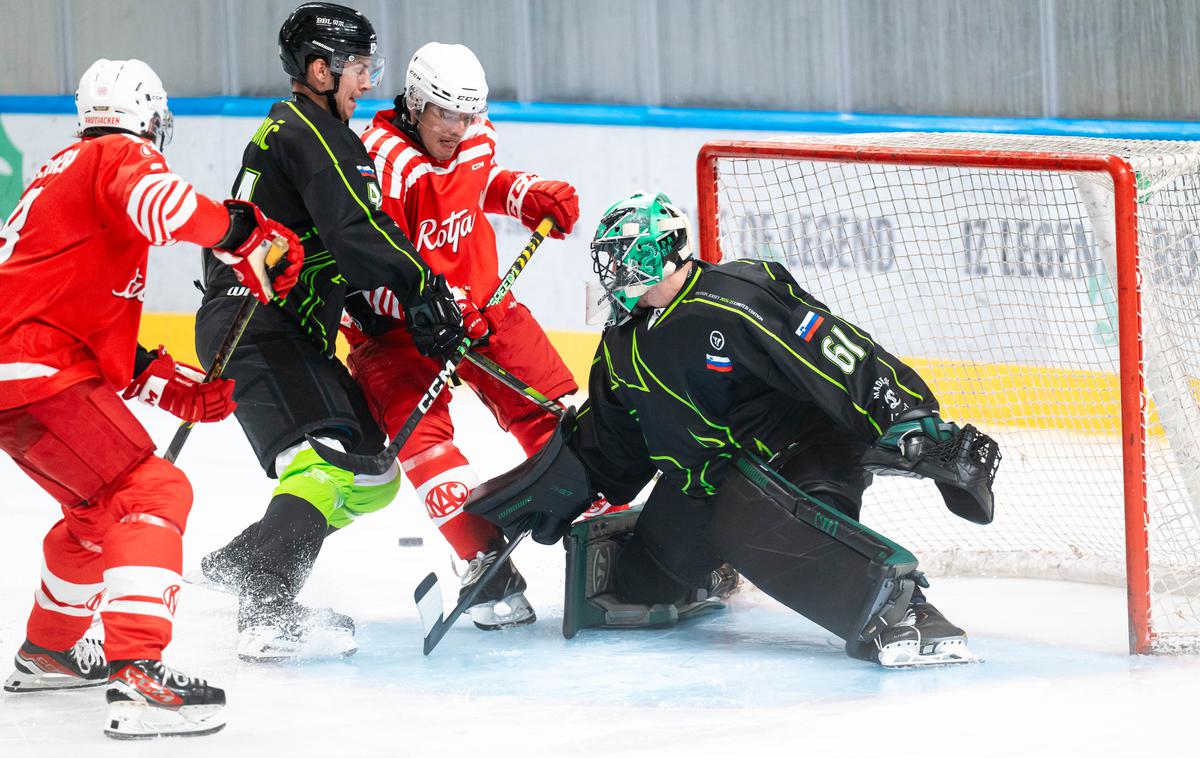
(510, 612)
(265, 645)
(197, 578)
(909, 654)
(132, 720)
(20, 682)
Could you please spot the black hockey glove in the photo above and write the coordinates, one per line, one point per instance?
(962, 462)
(435, 321)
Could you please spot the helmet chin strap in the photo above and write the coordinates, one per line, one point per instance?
(330, 95)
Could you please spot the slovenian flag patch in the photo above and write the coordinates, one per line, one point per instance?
(717, 363)
(809, 325)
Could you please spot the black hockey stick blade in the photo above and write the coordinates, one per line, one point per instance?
(438, 628)
(378, 464)
(428, 596)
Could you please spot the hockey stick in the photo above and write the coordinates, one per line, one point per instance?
(241, 319)
(501, 374)
(378, 464)
(429, 598)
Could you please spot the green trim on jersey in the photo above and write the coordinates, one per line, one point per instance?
(798, 357)
(357, 199)
(767, 268)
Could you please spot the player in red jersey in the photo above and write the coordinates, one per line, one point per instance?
(73, 258)
(435, 155)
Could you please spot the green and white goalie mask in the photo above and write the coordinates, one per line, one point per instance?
(641, 240)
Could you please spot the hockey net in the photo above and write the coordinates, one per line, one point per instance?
(1048, 290)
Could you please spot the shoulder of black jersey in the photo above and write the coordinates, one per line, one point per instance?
(307, 125)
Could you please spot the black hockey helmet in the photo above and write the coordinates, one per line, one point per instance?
(334, 33)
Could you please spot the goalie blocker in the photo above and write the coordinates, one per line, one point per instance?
(809, 556)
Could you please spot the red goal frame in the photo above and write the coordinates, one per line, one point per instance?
(1133, 403)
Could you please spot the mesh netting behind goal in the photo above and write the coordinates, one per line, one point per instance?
(998, 283)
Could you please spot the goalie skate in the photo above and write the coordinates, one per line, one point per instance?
(922, 638)
(146, 700)
(502, 602)
(37, 668)
(272, 627)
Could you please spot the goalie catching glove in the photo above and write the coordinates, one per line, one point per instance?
(246, 248)
(179, 389)
(962, 462)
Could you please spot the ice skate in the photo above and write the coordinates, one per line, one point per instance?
(37, 668)
(147, 699)
(502, 602)
(922, 638)
(274, 627)
(723, 582)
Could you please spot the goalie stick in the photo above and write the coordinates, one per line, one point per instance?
(241, 319)
(428, 596)
(379, 463)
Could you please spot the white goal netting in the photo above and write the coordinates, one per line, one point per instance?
(999, 286)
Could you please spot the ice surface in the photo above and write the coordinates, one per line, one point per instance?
(756, 680)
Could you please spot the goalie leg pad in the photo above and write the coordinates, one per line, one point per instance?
(809, 556)
(602, 555)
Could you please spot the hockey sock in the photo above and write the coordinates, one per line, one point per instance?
(143, 558)
(443, 479)
(71, 590)
(290, 536)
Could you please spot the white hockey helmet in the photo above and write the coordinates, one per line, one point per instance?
(449, 76)
(124, 95)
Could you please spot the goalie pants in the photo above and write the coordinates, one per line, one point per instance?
(670, 553)
(394, 376)
(124, 512)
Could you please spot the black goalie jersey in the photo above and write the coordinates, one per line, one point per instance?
(309, 171)
(742, 357)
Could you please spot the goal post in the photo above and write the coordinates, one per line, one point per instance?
(1048, 289)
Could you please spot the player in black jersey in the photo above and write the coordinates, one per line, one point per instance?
(763, 415)
(306, 168)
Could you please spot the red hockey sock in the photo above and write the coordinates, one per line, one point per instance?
(443, 479)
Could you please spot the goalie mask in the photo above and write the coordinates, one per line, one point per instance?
(641, 240)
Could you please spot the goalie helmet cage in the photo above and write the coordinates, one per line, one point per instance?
(1048, 289)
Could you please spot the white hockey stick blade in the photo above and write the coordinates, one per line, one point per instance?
(428, 595)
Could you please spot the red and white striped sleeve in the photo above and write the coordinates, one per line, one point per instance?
(391, 153)
(505, 190)
(163, 206)
(384, 302)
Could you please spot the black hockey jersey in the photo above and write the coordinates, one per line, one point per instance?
(307, 170)
(742, 357)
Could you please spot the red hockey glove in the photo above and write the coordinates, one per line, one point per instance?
(554, 199)
(247, 246)
(474, 323)
(180, 390)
